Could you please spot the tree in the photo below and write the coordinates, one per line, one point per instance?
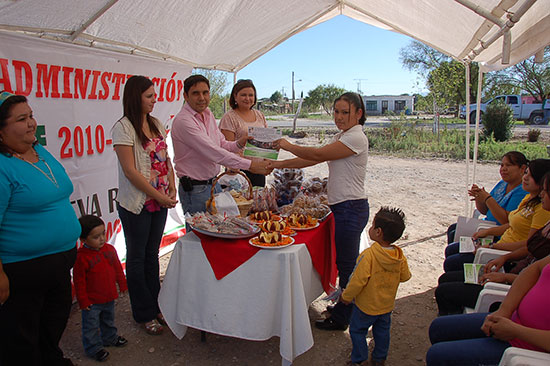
(219, 83)
(447, 83)
(422, 103)
(527, 76)
(444, 77)
(324, 95)
(276, 97)
(436, 69)
(421, 58)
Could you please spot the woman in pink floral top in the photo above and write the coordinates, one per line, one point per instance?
(146, 190)
(156, 149)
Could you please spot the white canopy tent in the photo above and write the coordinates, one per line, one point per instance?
(229, 34)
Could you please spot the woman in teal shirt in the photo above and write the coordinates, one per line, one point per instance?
(38, 233)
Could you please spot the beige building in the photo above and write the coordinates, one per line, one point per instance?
(380, 104)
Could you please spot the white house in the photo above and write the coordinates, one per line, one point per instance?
(379, 104)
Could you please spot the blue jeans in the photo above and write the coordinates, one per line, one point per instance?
(454, 260)
(451, 230)
(350, 219)
(98, 327)
(457, 340)
(359, 327)
(143, 234)
(195, 200)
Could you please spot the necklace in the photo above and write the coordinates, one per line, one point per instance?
(50, 177)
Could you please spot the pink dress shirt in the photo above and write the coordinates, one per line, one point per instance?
(199, 146)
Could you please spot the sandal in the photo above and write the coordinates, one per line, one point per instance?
(161, 320)
(153, 327)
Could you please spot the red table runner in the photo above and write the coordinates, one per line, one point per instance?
(226, 255)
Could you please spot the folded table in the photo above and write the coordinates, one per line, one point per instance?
(267, 295)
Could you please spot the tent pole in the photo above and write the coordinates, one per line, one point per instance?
(234, 77)
(512, 20)
(94, 17)
(467, 115)
(478, 117)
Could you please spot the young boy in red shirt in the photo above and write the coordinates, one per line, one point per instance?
(95, 274)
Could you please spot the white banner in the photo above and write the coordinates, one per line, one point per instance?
(75, 93)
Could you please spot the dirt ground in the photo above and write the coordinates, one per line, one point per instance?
(430, 192)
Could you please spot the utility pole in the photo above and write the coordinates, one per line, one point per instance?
(359, 90)
(293, 91)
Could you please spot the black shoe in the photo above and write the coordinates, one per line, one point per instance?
(329, 324)
(101, 355)
(120, 342)
(330, 308)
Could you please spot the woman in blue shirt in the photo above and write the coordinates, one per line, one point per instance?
(505, 195)
(38, 233)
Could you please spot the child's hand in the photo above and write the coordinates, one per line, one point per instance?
(86, 308)
(122, 293)
(343, 301)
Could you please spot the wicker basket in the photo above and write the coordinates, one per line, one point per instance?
(244, 207)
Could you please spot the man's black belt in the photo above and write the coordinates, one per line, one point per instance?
(197, 182)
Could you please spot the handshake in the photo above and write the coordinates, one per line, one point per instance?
(261, 166)
(265, 166)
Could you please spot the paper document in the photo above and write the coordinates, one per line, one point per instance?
(467, 226)
(469, 245)
(261, 146)
(466, 245)
(474, 271)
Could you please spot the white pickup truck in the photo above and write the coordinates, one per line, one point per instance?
(531, 113)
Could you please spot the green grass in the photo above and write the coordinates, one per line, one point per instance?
(412, 141)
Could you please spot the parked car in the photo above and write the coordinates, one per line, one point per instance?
(450, 110)
(532, 114)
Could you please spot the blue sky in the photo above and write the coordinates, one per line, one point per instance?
(335, 52)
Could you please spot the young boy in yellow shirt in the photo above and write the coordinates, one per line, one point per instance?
(373, 286)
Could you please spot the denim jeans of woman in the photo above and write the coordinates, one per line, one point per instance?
(358, 329)
(143, 234)
(454, 260)
(457, 340)
(350, 219)
(98, 327)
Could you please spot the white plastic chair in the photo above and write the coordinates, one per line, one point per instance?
(514, 356)
(484, 255)
(492, 292)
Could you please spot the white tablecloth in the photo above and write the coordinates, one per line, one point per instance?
(266, 296)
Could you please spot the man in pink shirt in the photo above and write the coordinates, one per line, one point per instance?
(200, 148)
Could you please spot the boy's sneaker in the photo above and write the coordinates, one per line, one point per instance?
(120, 342)
(378, 363)
(101, 355)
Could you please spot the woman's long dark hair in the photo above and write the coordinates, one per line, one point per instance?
(5, 110)
(537, 168)
(355, 100)
(133, 110)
